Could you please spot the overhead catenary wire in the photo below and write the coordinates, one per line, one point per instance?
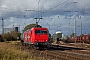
(56, 6)
(59, 4)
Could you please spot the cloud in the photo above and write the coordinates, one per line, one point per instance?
(54, 13)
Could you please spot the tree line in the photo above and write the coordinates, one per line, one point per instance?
(10, 36)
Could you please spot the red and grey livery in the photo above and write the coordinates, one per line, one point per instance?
(37, 37)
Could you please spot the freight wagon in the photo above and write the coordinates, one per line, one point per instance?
(83, 38)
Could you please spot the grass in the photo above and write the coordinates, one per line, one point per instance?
(8, 51)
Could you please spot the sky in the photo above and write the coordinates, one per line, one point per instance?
(58, 15)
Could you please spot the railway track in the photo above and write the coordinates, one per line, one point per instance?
(57, 54)
(61, 55)
(80, 51)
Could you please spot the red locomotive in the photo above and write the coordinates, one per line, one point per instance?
(36, 37)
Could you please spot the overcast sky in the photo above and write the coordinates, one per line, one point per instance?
(58, 15)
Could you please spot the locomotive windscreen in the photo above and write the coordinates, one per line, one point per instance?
(40, 31)
(44, 32)
(37, 31)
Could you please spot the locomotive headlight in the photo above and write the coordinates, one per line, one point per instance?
(46, 40)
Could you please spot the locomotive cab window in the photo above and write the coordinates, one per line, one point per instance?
(40, 31)
(44, 32)
(37, 31)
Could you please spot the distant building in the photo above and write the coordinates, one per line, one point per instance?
(6, 30)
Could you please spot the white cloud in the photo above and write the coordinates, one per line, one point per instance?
(11, 19)
(54, 13)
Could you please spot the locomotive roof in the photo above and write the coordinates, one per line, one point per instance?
(34, 28)
(38, 28)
